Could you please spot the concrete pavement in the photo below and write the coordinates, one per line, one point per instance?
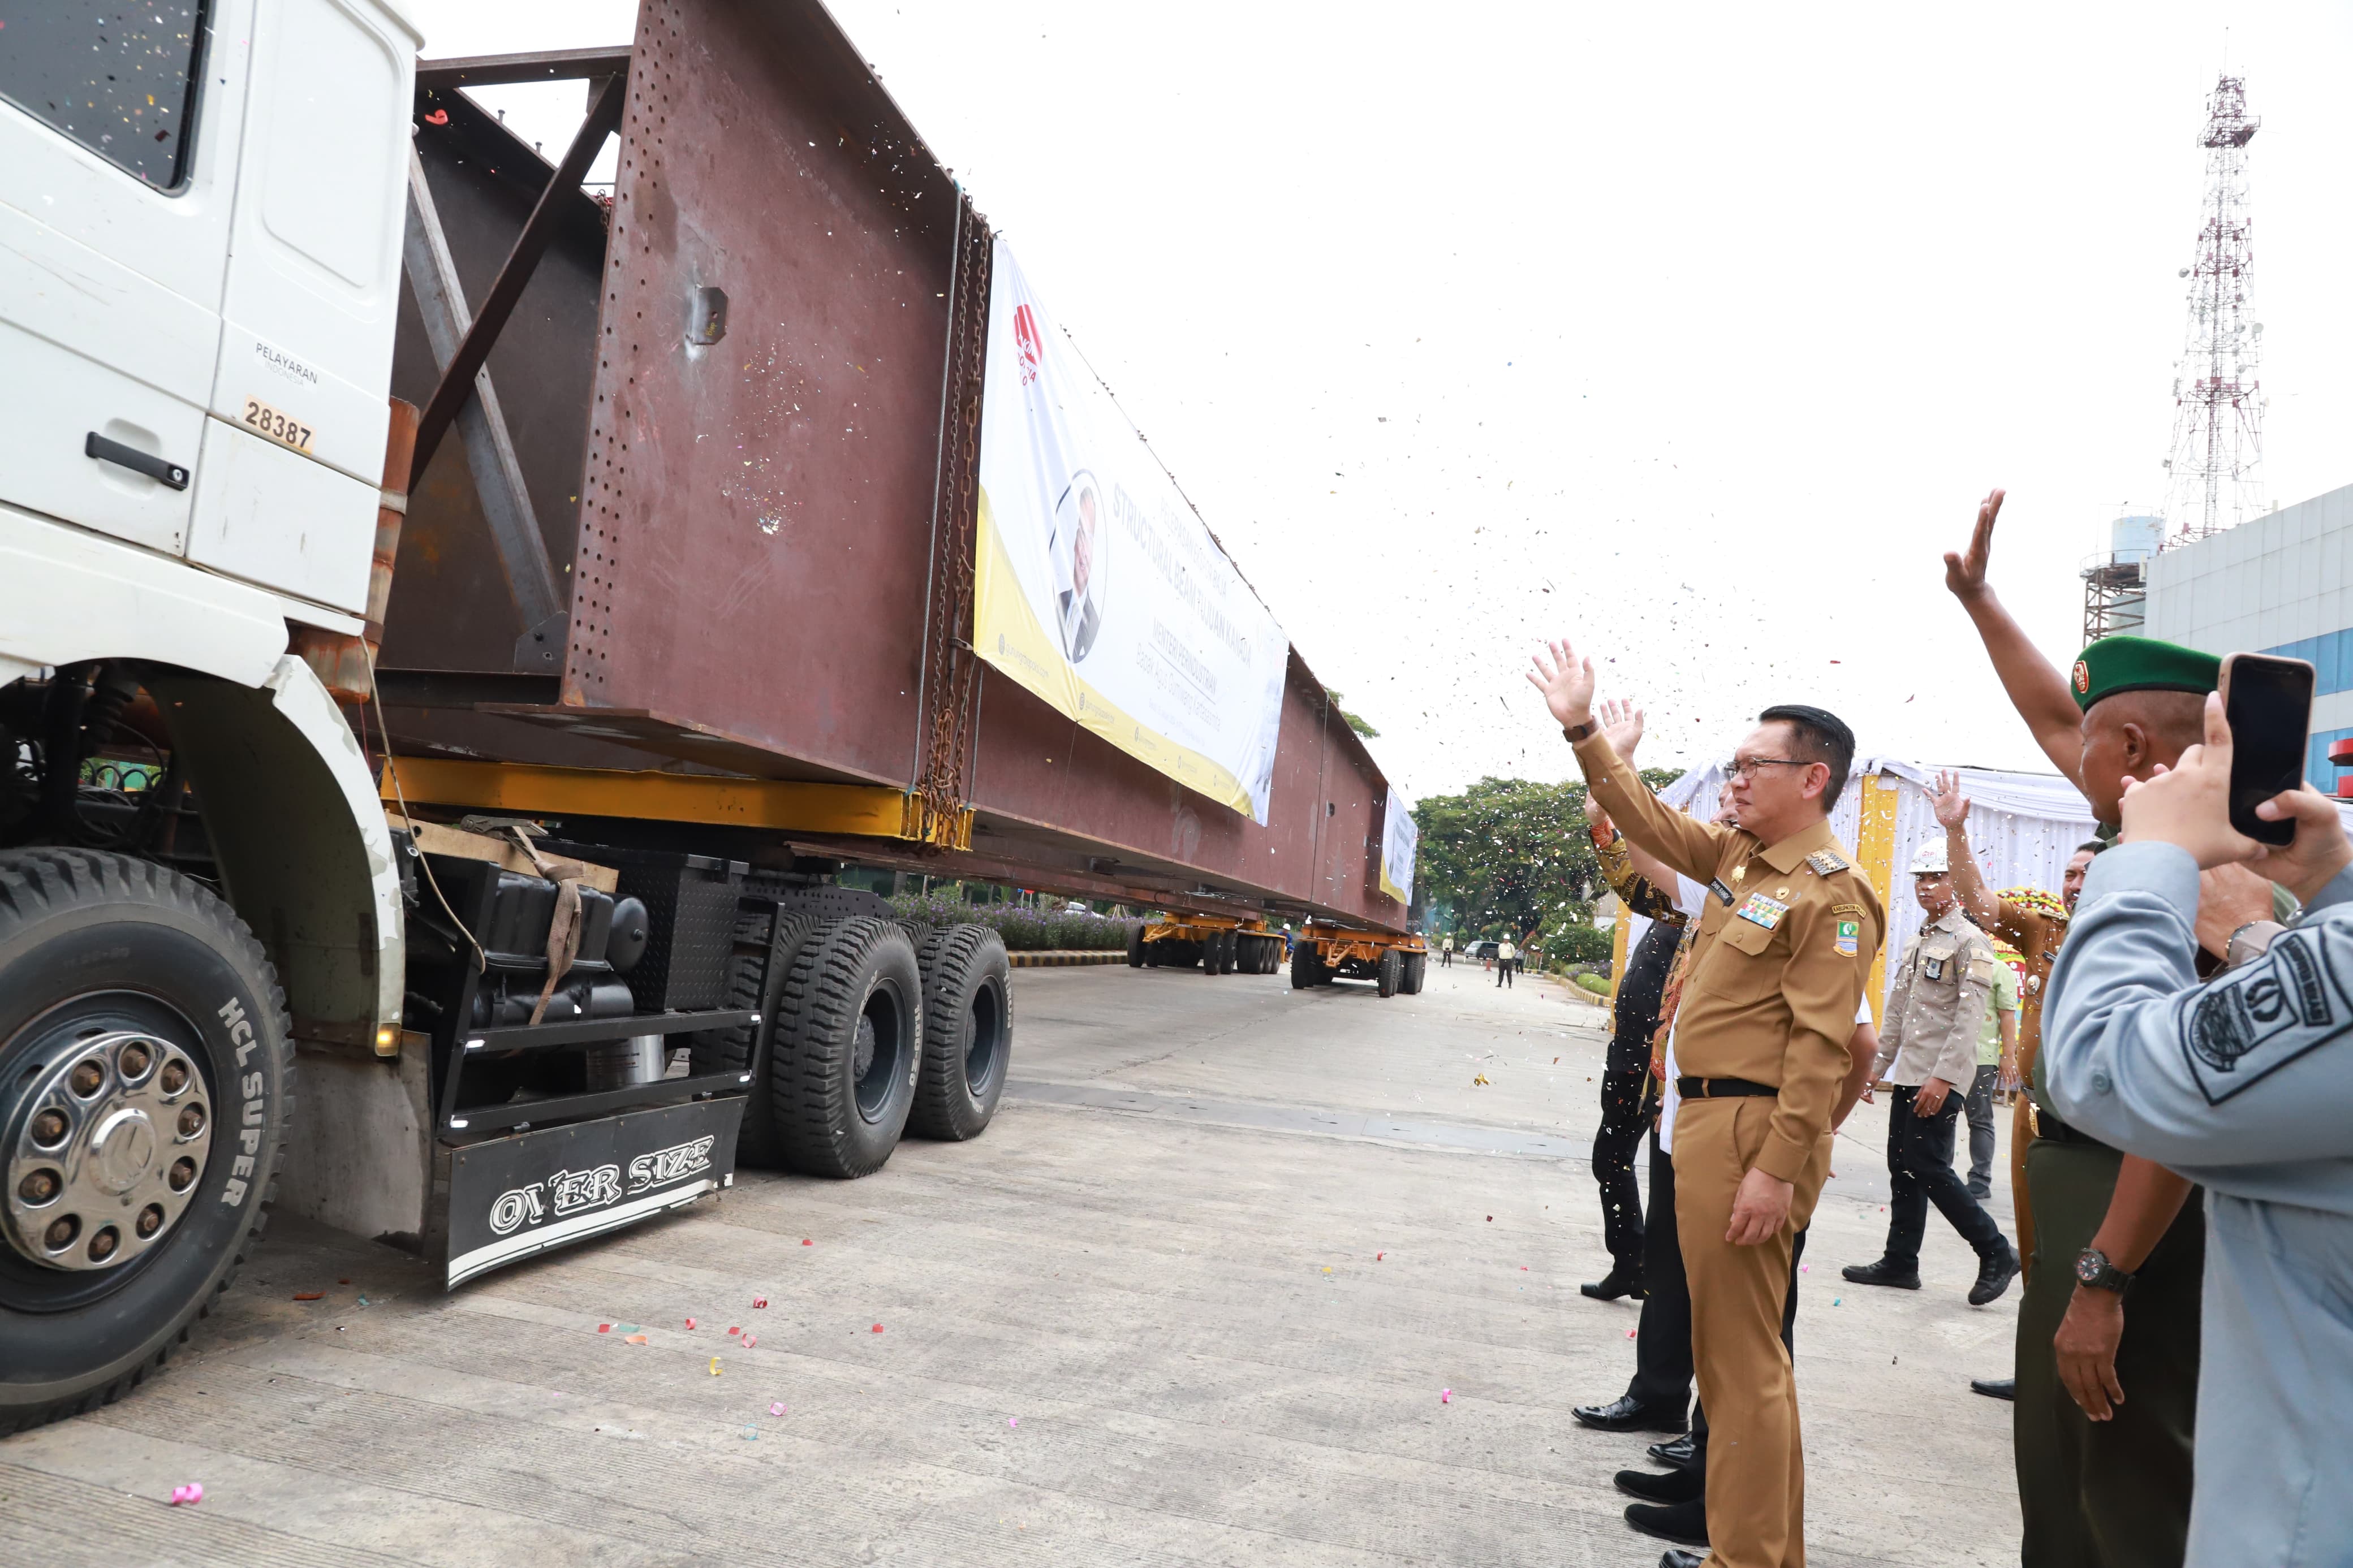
(1193, 1299)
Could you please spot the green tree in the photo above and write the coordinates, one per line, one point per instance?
(1511, 856)
(1358, 725)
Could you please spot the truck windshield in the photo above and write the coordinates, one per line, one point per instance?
(119, 78)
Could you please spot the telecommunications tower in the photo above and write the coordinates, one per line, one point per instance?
(2218, 432)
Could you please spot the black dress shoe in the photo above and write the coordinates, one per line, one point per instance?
(1623, 1415)
(1995, 1387)
(1994, 1275)
(1675, 1486)
(1882, 1273)
(1685, 1524)
(1681, 1453)
(1683, 1560)
(1619, 1281)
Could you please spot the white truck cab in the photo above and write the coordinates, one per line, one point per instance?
(201, 209)
(202, 212)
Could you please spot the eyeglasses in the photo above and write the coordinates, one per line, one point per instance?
(1742, 767)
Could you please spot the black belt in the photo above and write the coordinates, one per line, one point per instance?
(2044, 1124)
(1722, 1088)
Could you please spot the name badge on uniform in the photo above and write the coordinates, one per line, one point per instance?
(1850, 938)
(1934, 968)
(1762, 910)
(1717, 887)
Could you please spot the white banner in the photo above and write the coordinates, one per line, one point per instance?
(1400, 838)
(1096, 586)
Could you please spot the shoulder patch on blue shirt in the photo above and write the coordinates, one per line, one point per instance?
(2251, 1023)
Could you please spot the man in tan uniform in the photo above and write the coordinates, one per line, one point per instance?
(1930, 1049)
(1785, 946)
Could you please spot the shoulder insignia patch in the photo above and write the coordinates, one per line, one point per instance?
(1826, 861)
(2248, 1024)
(1846, 911)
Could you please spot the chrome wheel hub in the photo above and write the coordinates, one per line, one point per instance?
(105, 1147)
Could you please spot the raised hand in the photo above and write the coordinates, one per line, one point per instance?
(1965, 575)
(1621, 726)
(1951, 807)
(1566, 682)
(2319, 850)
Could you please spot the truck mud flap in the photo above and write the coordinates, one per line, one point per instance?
(512, 1198)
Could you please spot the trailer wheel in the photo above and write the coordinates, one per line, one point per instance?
(1213, 952)
(1135, 946)
(1392, 970)
(847, 1045)
(146, 1083)
(967, 1032)
(1416, 965)
(1305, 969)
(755, 979)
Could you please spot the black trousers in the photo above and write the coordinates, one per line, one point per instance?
(1662, 1339)
(1920, 1171)
(1504, 967)
(1615, 1144)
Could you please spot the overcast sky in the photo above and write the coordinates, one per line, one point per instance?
(1694, 332)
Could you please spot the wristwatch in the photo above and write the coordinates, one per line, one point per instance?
(1576, 732)
(2095, 1272)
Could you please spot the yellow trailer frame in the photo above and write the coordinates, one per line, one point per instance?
(1322, 953)
(1220, 944)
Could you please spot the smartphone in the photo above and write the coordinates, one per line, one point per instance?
(2268, 701)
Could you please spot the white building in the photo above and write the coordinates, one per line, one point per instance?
(2280, 585)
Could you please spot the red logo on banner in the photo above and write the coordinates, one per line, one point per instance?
(1025, 337)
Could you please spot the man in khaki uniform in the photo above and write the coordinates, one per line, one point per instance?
(1787, 936)
(1930, 1050)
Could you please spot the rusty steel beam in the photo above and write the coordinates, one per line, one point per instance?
(545, 65)
(768, 563)
(457, 375)
(499, 486)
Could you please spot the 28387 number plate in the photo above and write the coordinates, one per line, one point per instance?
(281, 427)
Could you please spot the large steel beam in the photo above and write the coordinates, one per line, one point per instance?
(543, 65)
(473, 348)
(482, 423)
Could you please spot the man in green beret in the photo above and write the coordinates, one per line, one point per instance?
(2107, 1401)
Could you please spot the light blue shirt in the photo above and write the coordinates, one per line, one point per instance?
(2244, 1084)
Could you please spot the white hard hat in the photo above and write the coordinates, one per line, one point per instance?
(1930, 860)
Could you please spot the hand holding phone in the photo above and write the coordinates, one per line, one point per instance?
(2268, 704)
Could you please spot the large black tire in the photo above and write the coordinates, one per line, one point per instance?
(1417, 965)
(1392, 970)
(848, 1046)
(1135, 946)
(967, 1032)
(754, 984)
(96, 948)
(1305, 969)
(1213, 952)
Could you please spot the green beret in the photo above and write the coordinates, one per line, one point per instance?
(2141, 664)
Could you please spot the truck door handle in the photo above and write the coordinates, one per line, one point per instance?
(168, 474)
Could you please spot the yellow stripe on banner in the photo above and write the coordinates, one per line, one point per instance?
(1875, 853)
(1006, 633)
(872, 811)
(1618, 939)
